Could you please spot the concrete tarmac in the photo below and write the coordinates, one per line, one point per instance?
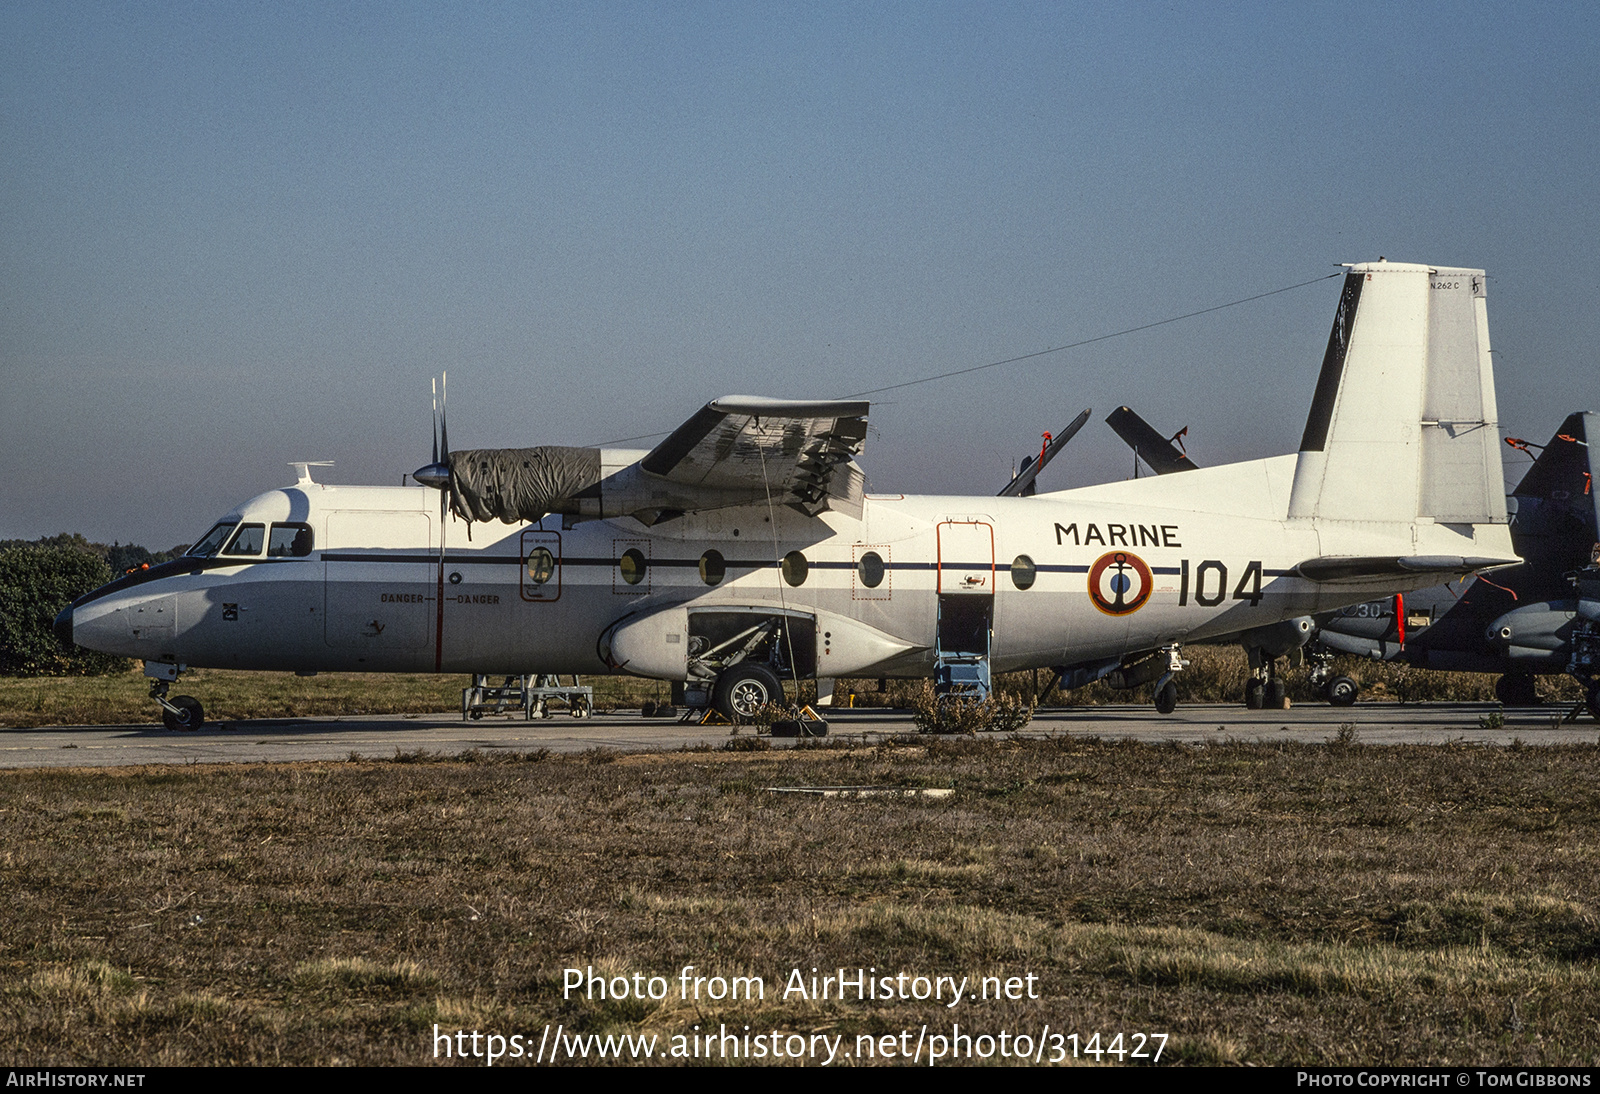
(382, 736)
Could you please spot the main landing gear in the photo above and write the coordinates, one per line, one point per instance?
(1340, 691)
(1516, 689)
(1166, 693)
(181, 711)
(1265, 690)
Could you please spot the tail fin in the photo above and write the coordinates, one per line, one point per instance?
(1562, 468)
(1404, 424)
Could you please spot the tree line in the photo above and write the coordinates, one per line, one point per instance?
(40, 577)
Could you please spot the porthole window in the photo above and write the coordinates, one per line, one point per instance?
(632, 565)
(1023, 572)
(795, 568)
(870, 569)
(713, 568)
(541, 565)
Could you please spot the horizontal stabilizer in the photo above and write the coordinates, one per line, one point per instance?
(1336, 568)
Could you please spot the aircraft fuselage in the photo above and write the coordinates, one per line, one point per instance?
(1063, 578)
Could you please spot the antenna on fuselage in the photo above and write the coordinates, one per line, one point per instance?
(303, 468)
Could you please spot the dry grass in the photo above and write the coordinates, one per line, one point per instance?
(124, 698)
(1217, 674)
(1262, 904)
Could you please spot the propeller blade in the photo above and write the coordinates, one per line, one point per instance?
(437, 473)
(444, 427)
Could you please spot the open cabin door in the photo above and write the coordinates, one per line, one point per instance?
(966, 607)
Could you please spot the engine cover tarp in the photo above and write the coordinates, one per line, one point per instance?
(515, 484)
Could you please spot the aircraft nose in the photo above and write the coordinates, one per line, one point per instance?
(63, 625)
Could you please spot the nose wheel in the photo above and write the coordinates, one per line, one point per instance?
(181, 712)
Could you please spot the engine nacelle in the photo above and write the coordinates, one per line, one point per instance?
(1279, 638)
(1540, 633)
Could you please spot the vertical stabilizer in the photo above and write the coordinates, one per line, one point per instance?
(1404, 424)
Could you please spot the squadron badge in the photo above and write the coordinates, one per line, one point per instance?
(1119, 583)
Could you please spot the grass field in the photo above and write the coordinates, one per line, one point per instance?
(1217, 674)
(1262, 904)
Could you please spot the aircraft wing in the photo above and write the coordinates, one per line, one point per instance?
(1022, 483)
(1337, 568)
(1162, 455)
(799, 450)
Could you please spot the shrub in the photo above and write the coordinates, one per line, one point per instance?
(35, 584)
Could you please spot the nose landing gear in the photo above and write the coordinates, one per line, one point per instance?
(181, 712)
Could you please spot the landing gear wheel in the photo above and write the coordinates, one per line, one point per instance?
(1342, 691)
(191, 714)
(580, 709)
(743, 690)
(1276, 696)
(1167, 698)
(1253, 691)
(1516, 689)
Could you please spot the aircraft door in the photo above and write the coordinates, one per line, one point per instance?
(966, 607)
(381, 596)
(966, 558)
(541, 566)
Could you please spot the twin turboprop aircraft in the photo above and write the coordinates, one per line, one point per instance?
(743, 550)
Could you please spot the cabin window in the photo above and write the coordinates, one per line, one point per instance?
(632, 566)
(541, 565)
(211, 541)
(795, 568)
(247, 540)
(1023, 571)
(871, 569)
(713, 568)
(289, 541)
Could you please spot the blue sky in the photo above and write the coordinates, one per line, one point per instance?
(235, 235)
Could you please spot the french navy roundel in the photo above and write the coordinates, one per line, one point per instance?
(1119, 583)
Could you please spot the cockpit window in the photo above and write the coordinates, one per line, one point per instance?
(246, 541)
(211, 541)
(289, 541)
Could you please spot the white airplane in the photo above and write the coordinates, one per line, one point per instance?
(742, 550)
